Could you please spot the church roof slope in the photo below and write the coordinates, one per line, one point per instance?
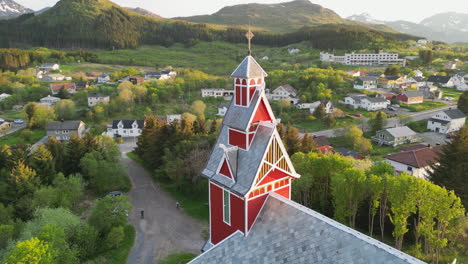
(238, 117)
(248, 162)
(286, 232)
(249, 68)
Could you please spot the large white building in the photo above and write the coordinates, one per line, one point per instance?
(364, 59)
(446, 121)
(217, 93)
(95, 99)
(460, 81)
(49, 100)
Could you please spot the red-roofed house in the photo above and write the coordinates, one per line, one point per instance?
(414, 162)
(68, 86)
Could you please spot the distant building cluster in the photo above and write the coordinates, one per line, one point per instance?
(380, 59)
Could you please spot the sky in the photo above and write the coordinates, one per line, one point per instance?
(409, 10)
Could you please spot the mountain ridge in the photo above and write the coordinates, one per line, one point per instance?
(10, 9)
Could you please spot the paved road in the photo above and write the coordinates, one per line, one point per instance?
(392, 122)
(14, 128)
(165, 229)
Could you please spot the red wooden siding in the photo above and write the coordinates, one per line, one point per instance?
(254, 207)
(225, 169)
(219, 229)
(273, 176)
(237, 138)
(238, 95)
(262, 114)
(244, 95)
(284, 191)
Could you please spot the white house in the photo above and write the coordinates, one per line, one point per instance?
(327, 103)
(365, 102)
(446, 121)
(156, 76)
(217, 93)
(423, 41)
(364, 59)
(172, 118)
(95, 99)
(126, 128)
(54, 78)
(48, 67)
(285, 91)
(305, 106)
(460, 81)
(169, 72)
(49, 100)
(444, 81)
(222, 109)
(418, 73)
(4, 96)
(414, 162)
(365, 83)
(103, 78)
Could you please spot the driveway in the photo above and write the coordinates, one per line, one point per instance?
(164, 229)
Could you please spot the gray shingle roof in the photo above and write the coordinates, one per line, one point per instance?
(237, 116)
(413, 93)
(249, 68)
(128, 123)
(375, 99)
(403, 131)
(368, 78)
(454, 113)
(247, 162)
(63, 125)
(288, 88)
(286, 232)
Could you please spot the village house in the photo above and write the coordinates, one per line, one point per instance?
(103, 78)
(443, 81)
(418, 73)
(136, 80)
(95, 99)
(410, 97)
(322, 144)
(68, 86)
(285, 91)
(252, 218)
(353, 73)
(48, 67)
(304, 106)
(125, 128)
(49, 100)
(64, 130)
(173, 118)
(460, 81)
(222, 108)
(365, 83)
(415, 162)
(395, 136)
(54, 78)
(431, 92)
(82, 85)
(365, 102)
(446, 121)
(156, 76)
(418, 80)
(450, 65)
(4, 96)
(169, 72)
(389, 82)
(329, 107)
(217, 93)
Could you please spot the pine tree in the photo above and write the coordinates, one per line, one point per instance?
(450, 172)
(329, 121)
(307, 143)
(378, 122)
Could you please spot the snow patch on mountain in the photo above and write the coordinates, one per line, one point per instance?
(9, 8)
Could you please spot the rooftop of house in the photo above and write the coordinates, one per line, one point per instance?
(368, 78)
(439, 79)
(58, 86)
(49, 97)
(96, 95)
(127, 124)
(418, 158)
(287, 232)
(288, 88)
(403, 131)
(454, 113)
(64, 125)
(414, 147)
(321, 141)
(249, 68)
(375, 99)
(410, 94)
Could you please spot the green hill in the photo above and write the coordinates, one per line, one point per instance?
(103, 24)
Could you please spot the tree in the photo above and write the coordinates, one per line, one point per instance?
(374, 188)
(320, 112)
(30, 109)
(348, 189)
(41, 116)
(125, 96)
(6, 234)
(463, 102)
(337, 113)
(392, 70)
(284, 104)
(65, 192)
(65, 109)
(426, 56)
(57, 239)
(329, 121)
(354, 138)
(307, 143)
(59, 217)
(125, 85)
(110, 212)
(378, 122)
(42, 161)
(23, 179)
(32, 251)
(115, 237)
(450, 170)
(198, 108)
(292, 140)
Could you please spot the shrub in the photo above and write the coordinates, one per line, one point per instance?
(115, 237)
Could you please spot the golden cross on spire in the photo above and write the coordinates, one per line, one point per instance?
(249, 37)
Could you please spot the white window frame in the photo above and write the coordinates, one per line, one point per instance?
(226, 207)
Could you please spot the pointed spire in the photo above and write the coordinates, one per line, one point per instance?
(249, 68)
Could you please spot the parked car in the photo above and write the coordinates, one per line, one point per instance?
(112, 194)
(18, 121)
(391, 108)
(357, 115)
(448, 98)
(396, 105)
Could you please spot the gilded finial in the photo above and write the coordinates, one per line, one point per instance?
(249, 37)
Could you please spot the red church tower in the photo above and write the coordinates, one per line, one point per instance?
(249, 160)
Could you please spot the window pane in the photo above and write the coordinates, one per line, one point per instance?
(226, 209)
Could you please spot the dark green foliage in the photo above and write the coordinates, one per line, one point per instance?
(115, 237)
(84, 240)
(378, 122)
(320, 112)
(463, 102)
(451, 172)
(110, 212)
(329, 121)
(392, 70)
(426, 56)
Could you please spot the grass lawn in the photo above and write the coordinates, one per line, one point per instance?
(427, 105)
(195, 206)
(18, 137)
(419, 126)
(451, 92)
(178, 258)
(10, 114)
(120, 255)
